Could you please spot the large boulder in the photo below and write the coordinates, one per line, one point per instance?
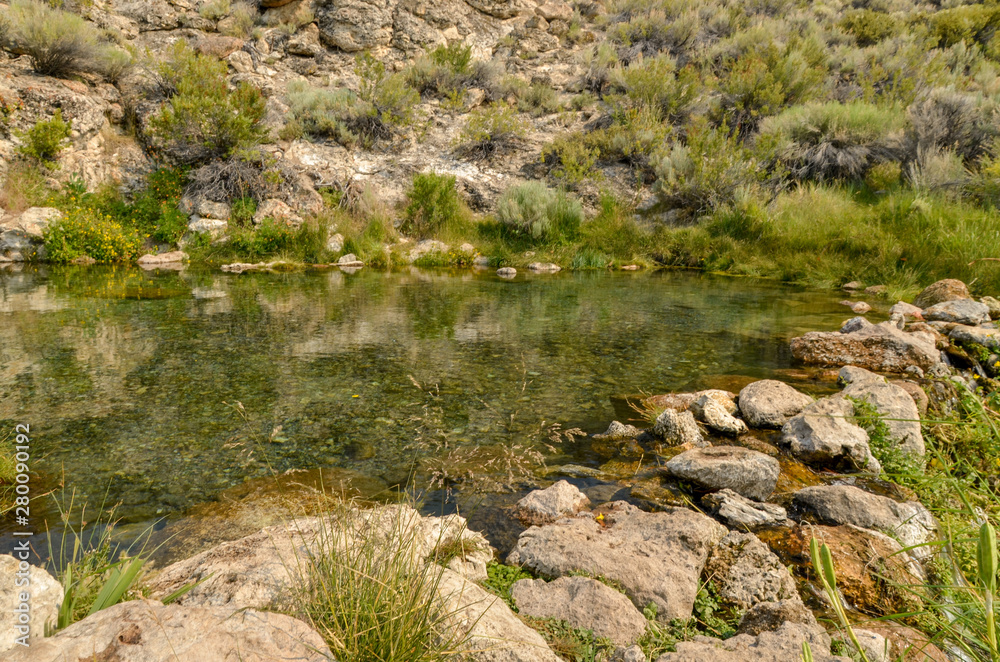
(782, 645)
(45, 596)
(948, 289)
(897, 409)
(745, 471)
(557, 500)
(909, 523)
(488, 629)
(824, 434)
(657, 557)
(583, 603)
(34, 221)
(770, 403)
(959, 311)
(747, 573)
(880, 347)
(147, 631)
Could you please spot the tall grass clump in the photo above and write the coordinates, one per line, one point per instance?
(368, 591)
(202, 119)
(533, 210)
(8, 473)
(58, 42)
(833, 141)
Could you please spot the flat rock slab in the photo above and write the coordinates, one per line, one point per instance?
(747, 472)
(490, 630)
(959, 311)
(147, 631)
(782, 645)
(770, 403)
(910, 523)
(583, 603)
(657, 557)
(172, 257)
(878, 347)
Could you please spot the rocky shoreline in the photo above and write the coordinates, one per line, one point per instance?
(720, 509)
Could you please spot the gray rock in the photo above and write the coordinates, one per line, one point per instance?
(975, 335)
(993, 304)
(489, 630)
(851, 374)
(34, 221)
(769, 616)
(427, 247)
(164, 258)
(909, 523)
(823, 434)
(897, 408)
(557, 500)
(583, 603)
(736, 510)
(855, 324)
(278, 212)
(746, 572)
(959, 311)
(147, 631)
(355, 25)
(305, 43)
(906, 310)
(335, 243)
(212, 227)
(747, 472)
(875, 646)
(629, 654)
(506, 272)
(948, 289)
(45, 596)
(770, 403)
(544, 267)
(617, 431)
(716, 416)
(657, 557)
(678, 428)
(879, 347)
(349, 260)
(782, 645)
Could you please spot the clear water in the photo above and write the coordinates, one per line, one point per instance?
(130, 380)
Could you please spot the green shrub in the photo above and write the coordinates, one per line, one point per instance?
(59, 43)
(491, 130)
(244, 18)
(632, 136)
(433, 204)
(203, 119)
(267, 239)
(84, 231)
(456, 57)
(448, 70)
(533, 210)
(833, 140)
(391, 98)
(242, 210)
(573, 160)
(43, 142)
(215, 10)
(869, 27)
(971, 24)
(650, 28)
(654, 83)
(539, 99)
(599, 61)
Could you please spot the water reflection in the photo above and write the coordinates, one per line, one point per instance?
(130, 379)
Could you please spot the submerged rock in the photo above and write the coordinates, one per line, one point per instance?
(770, 403)
(583, 603)
(824, 434)
(618, 431)
(147, 631)
(742, 470)
(948, 289)
(909, 523)
(548, 505)
(506, 272)
(657, 557)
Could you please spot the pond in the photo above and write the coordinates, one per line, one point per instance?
(160, 390)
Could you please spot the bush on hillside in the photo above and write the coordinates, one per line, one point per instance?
(247, 174)
(534, 210)
(433, 203)
(86, 231)
(43, 142)
(947, 119)
(203, 119)
(490, 130)
(654, 83)
(448, 70)
(832, 141)
(869, 27)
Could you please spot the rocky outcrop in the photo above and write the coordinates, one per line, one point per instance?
(45, 595)
(548, 505)
(909, 523)
(747, 472)
(147, 631)
(948, 289)
(769, 616)
(770, 403)
(657, 557)
(878, 347)
(583, 603)
(824, 434)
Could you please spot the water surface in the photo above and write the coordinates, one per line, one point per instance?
(159, 390)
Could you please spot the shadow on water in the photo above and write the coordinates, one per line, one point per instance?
(166, 389)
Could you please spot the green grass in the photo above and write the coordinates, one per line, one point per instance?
(8, 473)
